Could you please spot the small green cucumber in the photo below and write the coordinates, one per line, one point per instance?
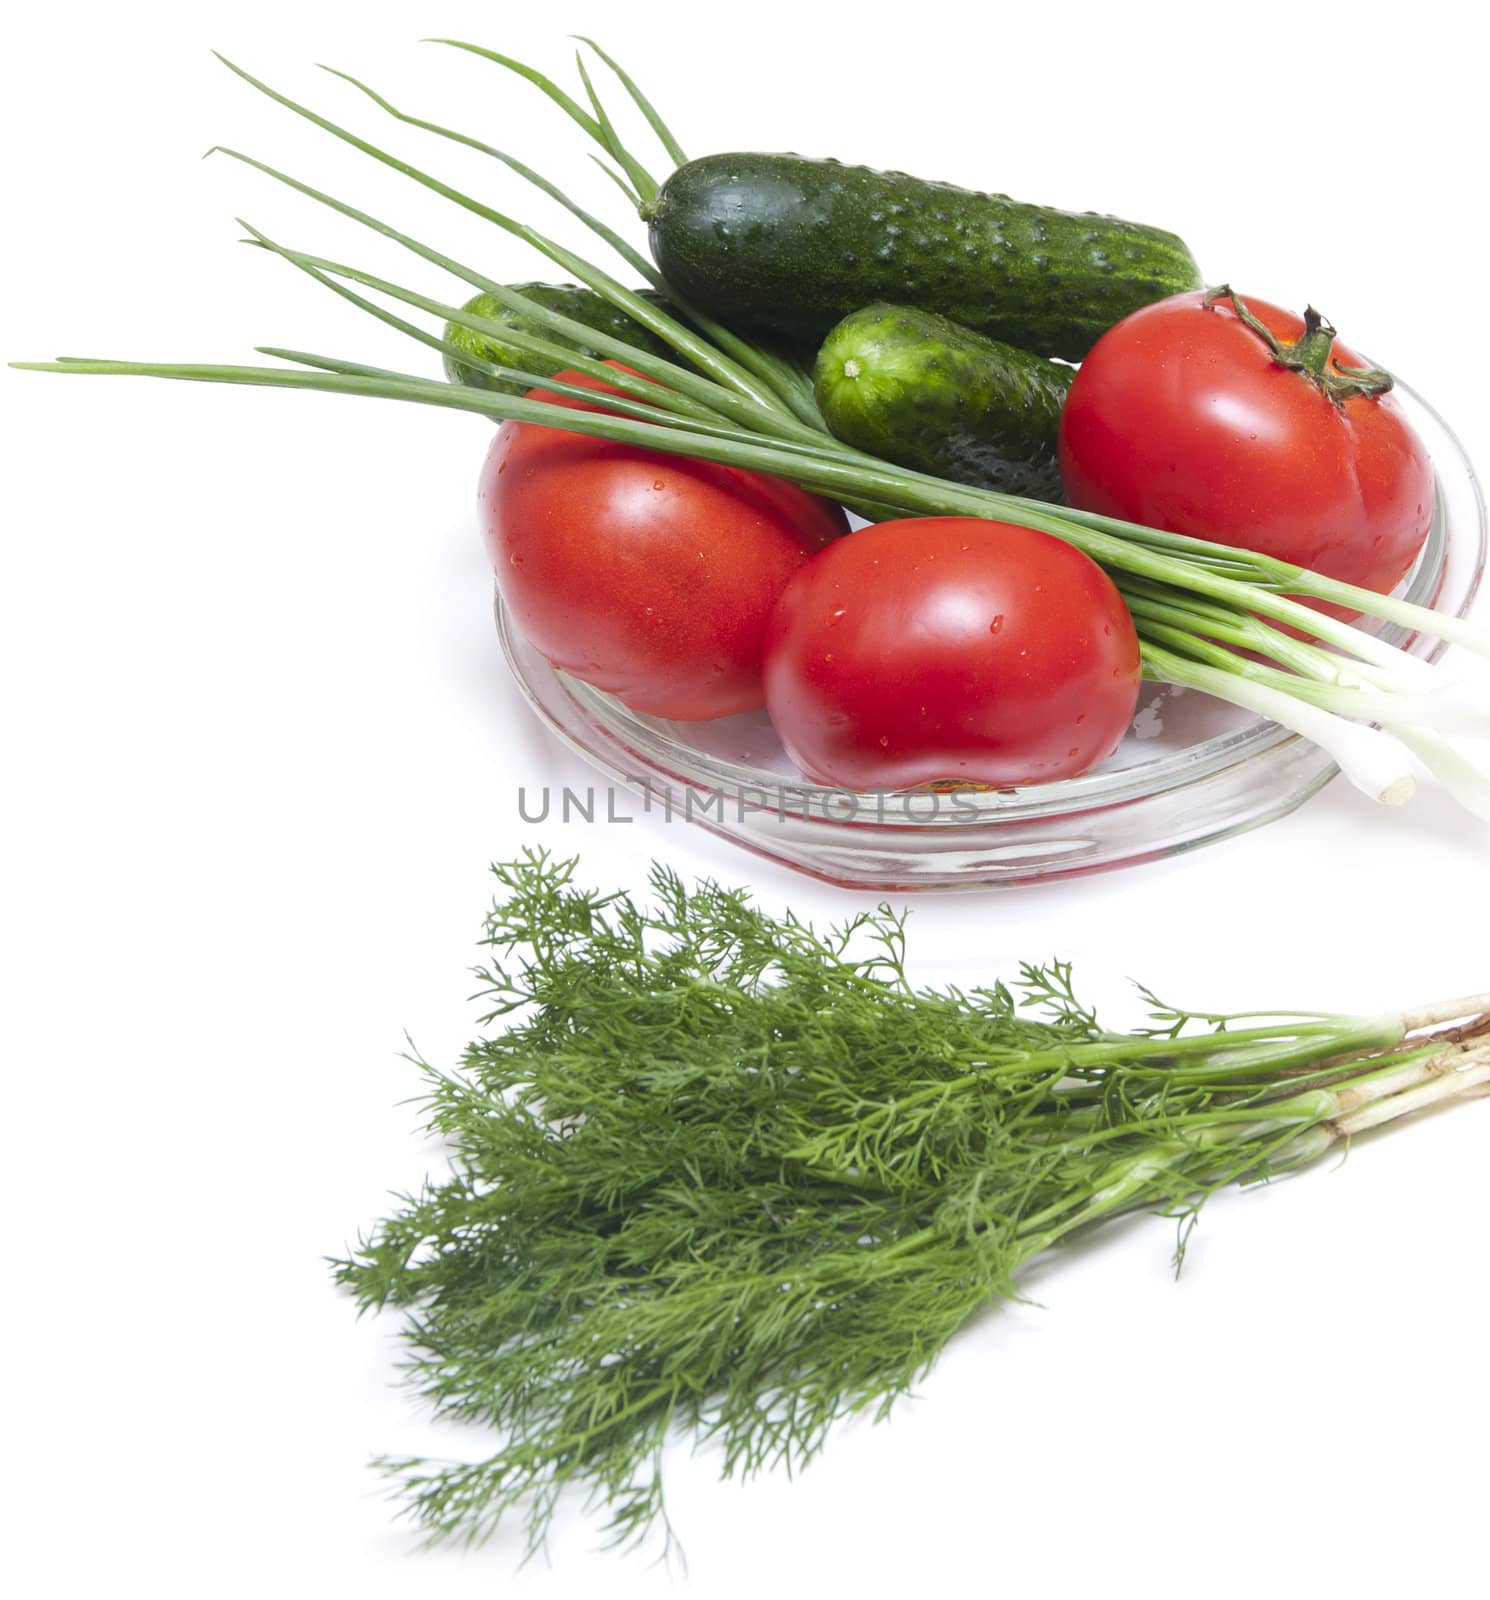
(914, 388)
(569, 300)
(785, 246)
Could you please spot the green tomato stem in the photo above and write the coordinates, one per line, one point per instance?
(1311, 355)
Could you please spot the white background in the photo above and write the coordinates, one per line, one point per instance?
(260, 747)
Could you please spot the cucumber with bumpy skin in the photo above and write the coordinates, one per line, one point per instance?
(583, 305)
(914, 388)
(786, 246)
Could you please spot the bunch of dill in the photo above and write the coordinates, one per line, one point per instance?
(724, 1173)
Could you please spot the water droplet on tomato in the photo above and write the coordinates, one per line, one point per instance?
(997, 624)
(515, 559)
(657, 483)
(1081, 719)
(1075, 750)
(884, 741)
(837, 614)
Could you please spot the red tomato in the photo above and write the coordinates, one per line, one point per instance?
(950, 648)
(1183, 418)
(647, 575)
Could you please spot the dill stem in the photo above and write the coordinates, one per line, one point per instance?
(1447, 1082)
(1323, 1039)
(1475, 1006)
(1277, 1131)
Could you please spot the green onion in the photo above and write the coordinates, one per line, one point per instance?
(1205, 614)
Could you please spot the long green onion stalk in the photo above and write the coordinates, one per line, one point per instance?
(721, 1175)
(1226, 621)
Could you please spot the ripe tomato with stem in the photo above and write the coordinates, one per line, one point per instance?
(1238, 422)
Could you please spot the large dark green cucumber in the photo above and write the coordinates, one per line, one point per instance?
(783, 245)
(569, 300)
(914, 388)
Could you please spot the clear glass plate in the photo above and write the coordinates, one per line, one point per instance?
(1190, 770)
